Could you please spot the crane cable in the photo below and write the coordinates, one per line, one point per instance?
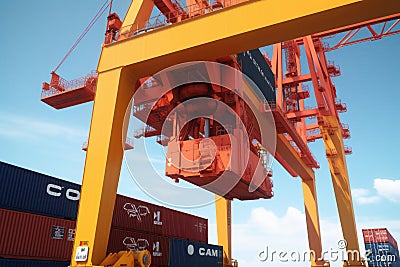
(87, 29)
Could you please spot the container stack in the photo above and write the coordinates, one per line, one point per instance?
(381, 248)
(38, 213)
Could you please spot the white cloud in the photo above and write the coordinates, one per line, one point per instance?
(279, 233)
(31, 128)
(364, 196)
(389, 189)
(384, 188)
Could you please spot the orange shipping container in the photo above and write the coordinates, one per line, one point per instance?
(28, 236)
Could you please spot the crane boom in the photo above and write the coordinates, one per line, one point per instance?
(373, 30)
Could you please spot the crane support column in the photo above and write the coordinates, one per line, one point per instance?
(136, 18)
(223, 208)
(333, 140)
(312, 219)
(103, 164)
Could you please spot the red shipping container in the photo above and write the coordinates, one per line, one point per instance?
(379, 235)
(131, 240)
(140, 216)
(137, 215)
(184, 226)
(29, 236)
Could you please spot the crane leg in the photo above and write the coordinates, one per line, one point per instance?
(333, 140)
(223, 210)
(103, 164)
(136, 18)
(313, 225)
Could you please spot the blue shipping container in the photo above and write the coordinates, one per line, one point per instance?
(31, 263)
(382, 248)
(184, 253)
(257, 69)
(28, 191)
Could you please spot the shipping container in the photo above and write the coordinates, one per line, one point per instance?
(31, 263)
(28, 191)
(133, 214)
(131, 240)
(30, 236)
(37, 237)
(184, 253)
(257, 69)
(136, 215)
(382, 248)
(185, 226)
(379, 235)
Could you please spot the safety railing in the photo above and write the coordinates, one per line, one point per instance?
(141, 107)
(143, 131)
(162, 140)
(182, 13)
(348, 150)
(59, 84)
(315, 131)
(345, 126)
(340, 106)
(129, 144)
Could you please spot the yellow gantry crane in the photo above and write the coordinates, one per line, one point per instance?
(232, 27)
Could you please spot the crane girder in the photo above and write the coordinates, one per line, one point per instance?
(240, 27)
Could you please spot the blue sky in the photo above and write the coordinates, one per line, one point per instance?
(35, 136)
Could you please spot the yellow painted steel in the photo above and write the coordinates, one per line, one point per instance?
(237, 28)
(103, 163)
(228, 31)
(312, 220)
(138, 14)
(333, 141)
(285, 149)
(223, 209)
(310, 198)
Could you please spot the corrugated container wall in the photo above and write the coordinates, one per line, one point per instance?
(30, 236)
(137, 215)
(31, 263)
(257, 69)
(29, 191)
(32, 192)
(184, 226)
(379, 235)
(184, 253)
(131, 240)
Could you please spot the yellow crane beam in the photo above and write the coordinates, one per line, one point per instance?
(228, 31)
(236, 29)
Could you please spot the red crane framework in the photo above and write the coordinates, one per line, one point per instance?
(296, 122)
